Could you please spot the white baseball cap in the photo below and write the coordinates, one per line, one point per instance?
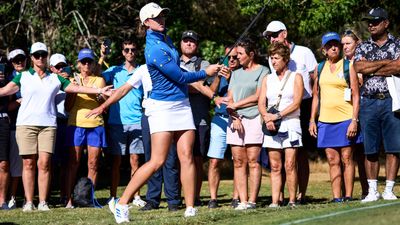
(38, 46)
(274, 26)
(151, 10)
(57, 58)
(14, 53)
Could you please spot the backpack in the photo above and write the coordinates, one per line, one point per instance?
(84, 194)
(346, 70)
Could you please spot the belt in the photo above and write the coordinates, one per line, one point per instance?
(222, 115)
(3, 115)
(379, 96)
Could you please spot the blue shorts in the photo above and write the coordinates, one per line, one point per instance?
(379, 123)
(218, 137)
(79, 136)
(333, 135)
(125, 139)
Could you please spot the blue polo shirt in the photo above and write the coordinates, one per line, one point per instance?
(128, 110)
(162, 59)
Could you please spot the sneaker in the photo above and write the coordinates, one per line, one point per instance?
(371, 197)
(28, 207)
(197, 202)
(212, 204)
(337, 200)
(388, 195)
(121, 213)
(235, 203)
(291, 205)
(347, 199)
(138, 202)
(42, 206)
(241, 206)
(190, 211)
(149, 206)
(4, 206)
(111, 204)
(173, 207)
(251, 205)
(12, 204)
(273, 205)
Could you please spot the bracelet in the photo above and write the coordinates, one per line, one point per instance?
(99, 91)
(312, 121)
(355, 119)
(214, 96)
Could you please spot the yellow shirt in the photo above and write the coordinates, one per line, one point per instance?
(84, 103)
(333, 107)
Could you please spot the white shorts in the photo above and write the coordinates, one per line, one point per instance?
(169, 115)
(289, 136)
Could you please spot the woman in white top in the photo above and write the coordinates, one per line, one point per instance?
(289, 85)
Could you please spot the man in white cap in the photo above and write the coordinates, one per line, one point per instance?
(18, 59)
(302, 60)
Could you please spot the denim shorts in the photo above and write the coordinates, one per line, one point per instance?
(125, 139)
(80, 136)
(379, 123)
(218, 137)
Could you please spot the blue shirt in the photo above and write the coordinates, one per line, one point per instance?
(162, 59)
(222, 91)
(128, 110)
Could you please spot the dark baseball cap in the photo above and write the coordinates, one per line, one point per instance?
(376, 14)
(190, 34)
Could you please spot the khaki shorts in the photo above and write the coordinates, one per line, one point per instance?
(34, 139)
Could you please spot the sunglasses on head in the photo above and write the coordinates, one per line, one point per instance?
(37, 55)
(348, 32)
(86, 61)
(234, 57)
(126, 50)
(60, 66)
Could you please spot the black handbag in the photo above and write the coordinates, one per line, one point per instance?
(274, 110)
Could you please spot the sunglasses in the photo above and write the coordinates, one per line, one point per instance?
(60, 66)
(374, 22)
(126, 50)
(348, 32)
(274, 34)
(234, 57)
(86, 61)
(38, 55)
(18, 60)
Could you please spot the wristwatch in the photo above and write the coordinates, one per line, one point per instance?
(279, 116)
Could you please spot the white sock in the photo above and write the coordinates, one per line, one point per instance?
(137, 197)
(372, 184)
(389, 185)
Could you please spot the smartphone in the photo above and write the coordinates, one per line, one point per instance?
(67, 69)
(2, 68)
(107, 43)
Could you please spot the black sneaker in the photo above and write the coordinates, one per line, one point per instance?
(197, 202)
(173, 207)
(235, 203)
(212, 204)
(337, 200)
(347, 199)
(148, 206)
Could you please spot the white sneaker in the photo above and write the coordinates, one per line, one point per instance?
(242, 206)
(42, 206)
(111, 204)
(121, 213)
(388, 195)
(273, 205)
(371, 197)
(4, 206)
(12, 204)
(28, 207)
(138, 202)
(190, 211)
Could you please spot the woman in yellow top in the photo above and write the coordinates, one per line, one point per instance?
(338, 104)
(82, 131)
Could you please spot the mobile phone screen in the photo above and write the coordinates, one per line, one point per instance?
(2, 67)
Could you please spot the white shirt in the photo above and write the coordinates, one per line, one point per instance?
(141, 76)
(302, 60)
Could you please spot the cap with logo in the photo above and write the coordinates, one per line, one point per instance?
(15, 53)
(85, 53)
(151, 10)
(37, 47)
(57, 58)
(274, 26)
(190, 34)
(330, 36)
(376, 14)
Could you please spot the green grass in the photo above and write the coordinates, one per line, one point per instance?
(319, 193)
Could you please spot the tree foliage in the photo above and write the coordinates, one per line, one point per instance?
(69, 25)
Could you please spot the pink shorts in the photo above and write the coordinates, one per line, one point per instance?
(252, 133)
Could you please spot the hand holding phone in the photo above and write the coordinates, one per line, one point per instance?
(107, 44)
